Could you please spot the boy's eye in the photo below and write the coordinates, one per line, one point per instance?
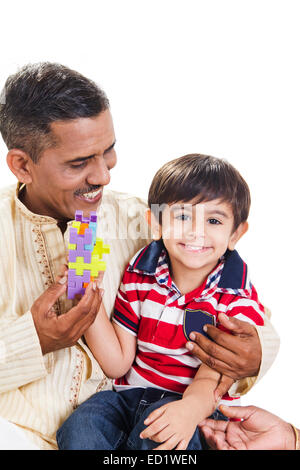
(214, 221)
(182, 217)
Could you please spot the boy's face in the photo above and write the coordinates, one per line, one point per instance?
(196, 236)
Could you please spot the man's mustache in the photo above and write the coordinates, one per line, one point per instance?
(88, 189)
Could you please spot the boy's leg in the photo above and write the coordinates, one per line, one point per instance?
(198, 442)
(100, 423)
(151, 400)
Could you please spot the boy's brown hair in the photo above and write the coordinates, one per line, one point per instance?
(200, 178)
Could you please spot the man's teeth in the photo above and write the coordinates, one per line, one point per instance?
(92, 194)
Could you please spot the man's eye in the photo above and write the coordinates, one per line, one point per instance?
(214, 221)
(78, 165)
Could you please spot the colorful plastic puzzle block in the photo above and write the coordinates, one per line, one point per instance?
(85, 253)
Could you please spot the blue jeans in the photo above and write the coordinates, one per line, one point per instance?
(112, 420)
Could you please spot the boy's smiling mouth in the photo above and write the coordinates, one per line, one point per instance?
(194, 248)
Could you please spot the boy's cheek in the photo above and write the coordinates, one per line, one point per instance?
(172, 232)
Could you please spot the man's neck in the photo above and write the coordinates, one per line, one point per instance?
(23, 196)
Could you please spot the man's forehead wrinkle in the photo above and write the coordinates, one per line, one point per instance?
(83, 137)
(88, 157)
(77, 134)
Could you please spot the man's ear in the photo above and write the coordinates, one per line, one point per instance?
(237, 234)
(20, 164)
(153, 224)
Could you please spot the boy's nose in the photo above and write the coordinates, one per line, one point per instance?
(193, 235)
(196, 230)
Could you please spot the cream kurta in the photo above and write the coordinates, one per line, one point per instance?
(38, 392)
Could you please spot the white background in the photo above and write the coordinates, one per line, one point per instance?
(217, 77)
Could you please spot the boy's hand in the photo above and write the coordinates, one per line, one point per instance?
(172, 424)
(222, 387)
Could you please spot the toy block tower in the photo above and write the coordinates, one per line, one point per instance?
(85, 253)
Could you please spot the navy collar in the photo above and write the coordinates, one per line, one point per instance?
(234, 278)
(147, 258)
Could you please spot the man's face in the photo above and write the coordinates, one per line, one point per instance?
(71, 175)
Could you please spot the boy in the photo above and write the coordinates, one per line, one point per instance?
(189, 274)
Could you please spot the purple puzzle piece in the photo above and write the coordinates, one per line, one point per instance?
(88, 236)
(73, 235)
(86, 275)
(78, 216)
(72, 275)
(87, 256)
(93, 216)
(75, 282)
(72, 256)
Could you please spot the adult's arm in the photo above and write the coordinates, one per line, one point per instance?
(245, 355)
(25, 341)
(21, 358)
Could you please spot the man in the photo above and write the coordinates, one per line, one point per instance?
(251, 428)
(59, 132)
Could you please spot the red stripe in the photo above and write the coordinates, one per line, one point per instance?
(121, 381)
(249, 312)
(126, 310)
(244, 275)
(133, 295)
(227, 397)
(162, 271)
(160, 381)
(167, 365)
(161, 333)
(138, 279)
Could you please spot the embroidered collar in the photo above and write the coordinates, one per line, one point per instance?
(230, 276)
(35, 218)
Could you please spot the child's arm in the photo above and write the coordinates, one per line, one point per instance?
(112, 346)
(175, 423)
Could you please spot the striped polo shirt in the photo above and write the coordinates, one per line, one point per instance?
(150, 306)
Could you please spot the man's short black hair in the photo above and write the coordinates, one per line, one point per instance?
(40, 94)
(200, 178)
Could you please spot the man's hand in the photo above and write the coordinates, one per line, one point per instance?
(58, 332)
(259, 430)
(236, 355)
